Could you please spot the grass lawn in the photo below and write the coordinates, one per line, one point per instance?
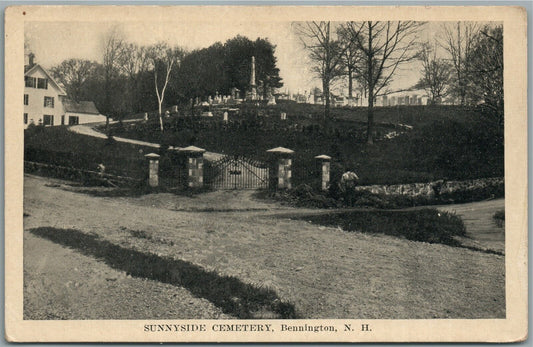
(322, 271)
(59, 146)
(447, 142)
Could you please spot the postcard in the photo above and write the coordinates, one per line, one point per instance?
(265, 174)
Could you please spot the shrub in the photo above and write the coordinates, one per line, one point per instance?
(499, 218)
(426, 225)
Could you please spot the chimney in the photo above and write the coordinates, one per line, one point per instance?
(31, 57)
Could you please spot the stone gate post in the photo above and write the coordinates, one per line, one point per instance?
(325, 164)
(281, 168)
(195, 166)
(153, 169)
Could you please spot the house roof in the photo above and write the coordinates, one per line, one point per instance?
(87, 107)
(37, 66)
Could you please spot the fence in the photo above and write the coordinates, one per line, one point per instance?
(80, 175)
(116, 163)
(237, 172)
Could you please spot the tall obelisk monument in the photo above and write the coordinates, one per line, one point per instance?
(253, 87)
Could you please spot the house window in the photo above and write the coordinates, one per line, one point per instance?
(49, 101)
(73, 120)
(25, 118)
(42, 83)
(30, 81)
(63, 120)
(48, 119)
(26, 99)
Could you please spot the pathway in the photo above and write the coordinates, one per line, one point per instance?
(89, 130)
(481, 229)
(480, 226)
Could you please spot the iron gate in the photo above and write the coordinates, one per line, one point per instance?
(236, 172)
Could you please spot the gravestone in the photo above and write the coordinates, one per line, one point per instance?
(225, 116)
(283, 116)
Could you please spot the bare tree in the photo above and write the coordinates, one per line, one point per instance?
(458, 40)
(326, 51)
(162, 59)
(384, 46)
(485, 69)
(350, 58)
(133, 59)
(435, 74)
(74, 74)
(133, 62)
(112, 42)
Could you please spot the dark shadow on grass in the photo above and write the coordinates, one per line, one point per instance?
(136, 191)
(228, 293)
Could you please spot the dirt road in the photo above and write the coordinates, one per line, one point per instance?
(480, 226)
(324, 272)
(89, 130)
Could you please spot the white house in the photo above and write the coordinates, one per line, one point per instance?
(45, 101)
(81, 112)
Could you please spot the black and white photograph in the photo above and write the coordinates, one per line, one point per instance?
(259, 176)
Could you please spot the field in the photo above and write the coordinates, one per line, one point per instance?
(243, 258)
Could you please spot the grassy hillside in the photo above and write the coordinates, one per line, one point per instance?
(58, 146)
(446, 142)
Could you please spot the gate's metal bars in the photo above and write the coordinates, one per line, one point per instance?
(237, 172)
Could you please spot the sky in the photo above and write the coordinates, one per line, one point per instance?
(53, 42)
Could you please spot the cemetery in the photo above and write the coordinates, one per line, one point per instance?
(419, 154)
(403, 170)
(220, 183)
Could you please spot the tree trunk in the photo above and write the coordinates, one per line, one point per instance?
(160, 118)
(350, 83)
(371, 85)
(133, 96)
(370, 124)
(325, 86)
(265, 91)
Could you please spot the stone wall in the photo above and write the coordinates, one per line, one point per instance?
(432, 189)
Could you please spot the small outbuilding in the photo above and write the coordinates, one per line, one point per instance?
(81, 112)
